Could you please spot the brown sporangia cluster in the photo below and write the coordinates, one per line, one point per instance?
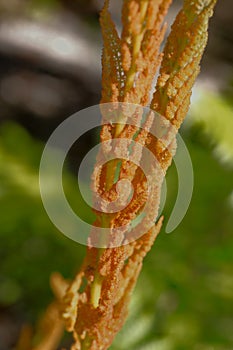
(96, 302)
(95, 326)
(130, 62)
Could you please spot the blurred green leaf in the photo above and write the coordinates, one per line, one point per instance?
(214, 114)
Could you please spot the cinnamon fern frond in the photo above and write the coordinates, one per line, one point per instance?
(96, 302)
(181, 61)
(130, 62)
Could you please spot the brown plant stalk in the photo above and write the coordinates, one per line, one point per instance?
(95, 305)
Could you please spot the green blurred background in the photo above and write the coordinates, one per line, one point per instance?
(50, 68)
